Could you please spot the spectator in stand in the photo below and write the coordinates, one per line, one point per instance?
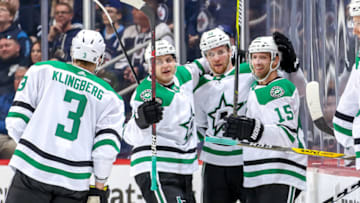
(30, 17)
(35, 55)
(113, 47)
(8, 145)
(62, 32)
(9, 61)
(135, 35)
(9, 29)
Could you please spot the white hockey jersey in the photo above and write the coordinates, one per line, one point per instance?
(213, 102)
(67, 123)
(347, 110)
(276, 105)
(346, 120)
(176, 135)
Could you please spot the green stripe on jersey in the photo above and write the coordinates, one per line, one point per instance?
(79, 72)
(342, 130)
(291, 138)
(19, 115)
(274, 171)
(106, 142)
(277, 89)
(183, 75)
(202, 81)
(200, 66)
(163, 159)
(244, 68)
(222, 153)
(357, 154)
(50, 169)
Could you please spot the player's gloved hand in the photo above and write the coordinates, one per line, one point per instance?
(98, 196)
(148, 113)
(243, 128)
(289, 61)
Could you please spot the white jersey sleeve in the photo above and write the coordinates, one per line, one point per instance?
(346, 110)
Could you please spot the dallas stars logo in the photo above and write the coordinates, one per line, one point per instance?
(220, 112)
(188, 125)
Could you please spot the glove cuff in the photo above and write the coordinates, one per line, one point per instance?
(258, 130)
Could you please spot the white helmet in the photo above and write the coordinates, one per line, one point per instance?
(88, 45)
(264, 44)
(162, 46)
(212, 39)
(354, 8)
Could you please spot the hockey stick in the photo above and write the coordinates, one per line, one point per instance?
(239, 34)
(119, 39)
(342, 194)
(150, 13)
(313, 103)
(310, 152)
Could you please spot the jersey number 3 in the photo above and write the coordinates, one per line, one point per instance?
(75, 116)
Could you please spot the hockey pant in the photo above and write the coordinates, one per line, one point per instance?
(278, 193)
(172, 188)
(222, 184)
(25, 189)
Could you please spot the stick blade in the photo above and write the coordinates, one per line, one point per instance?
(314, 106)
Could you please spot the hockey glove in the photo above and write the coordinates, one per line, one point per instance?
(98, 196)
(243, 128)
(148, 113)
(289, 63)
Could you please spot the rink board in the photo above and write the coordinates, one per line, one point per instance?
(322, 182)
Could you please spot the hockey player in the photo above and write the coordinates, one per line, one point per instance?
(346, 120)
(173, 113)
(223, 165)
(66, 122)
(272, 117)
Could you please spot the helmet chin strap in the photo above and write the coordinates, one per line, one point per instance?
(268, 74)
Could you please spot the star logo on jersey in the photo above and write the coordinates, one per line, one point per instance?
(188, 125)
(277, 92)
(220, 112)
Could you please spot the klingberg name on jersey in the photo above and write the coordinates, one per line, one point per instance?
(78, 84)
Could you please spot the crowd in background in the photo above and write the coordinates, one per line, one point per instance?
(20, 45)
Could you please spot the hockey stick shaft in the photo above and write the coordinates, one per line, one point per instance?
(314, 106)
(238, 59)
(309, 152)
(150, 13)
(119, 39)
(343, 193)
(153, 90)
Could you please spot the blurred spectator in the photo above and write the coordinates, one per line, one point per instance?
(62, 32)
(192, 37)
(9, 29)
(8, 145)
(138, 34)
(29, 17)
(113, 47)
(35, 55)
(134, 36)
(9, 61)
